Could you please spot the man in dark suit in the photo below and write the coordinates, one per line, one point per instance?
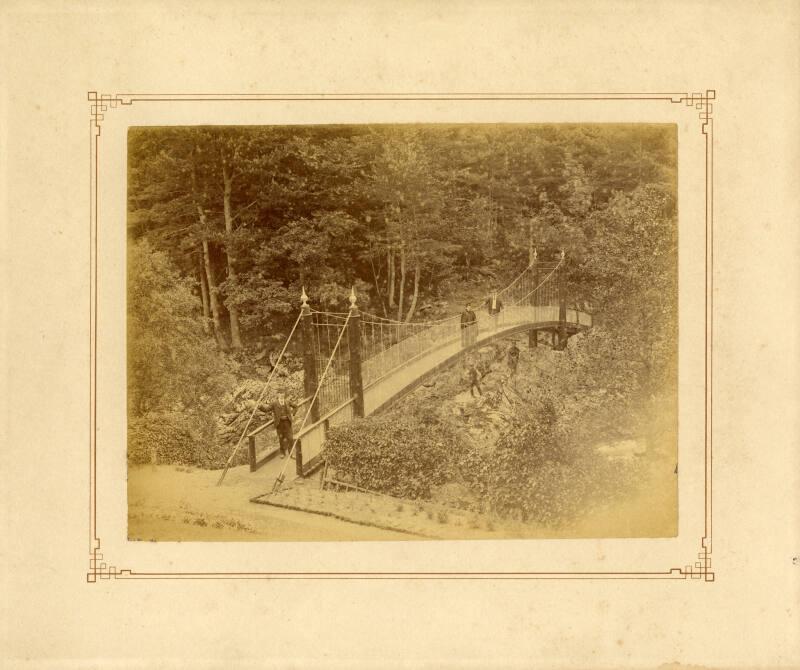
(513, 362)
(469, 323)
(494, 306)
(474, 378)
(282, 413)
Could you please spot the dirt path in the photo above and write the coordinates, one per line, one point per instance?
(171, 503)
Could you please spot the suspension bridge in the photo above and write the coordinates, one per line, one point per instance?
(356, 363)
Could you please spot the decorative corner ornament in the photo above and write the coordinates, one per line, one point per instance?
(303, 298)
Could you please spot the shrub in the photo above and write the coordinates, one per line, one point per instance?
(401, 456)
(159, 438)
(542, 473)
(173, 438)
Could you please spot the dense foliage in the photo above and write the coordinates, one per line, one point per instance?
(401, 212)
(401, 456)
(176, 378)
(545, 466)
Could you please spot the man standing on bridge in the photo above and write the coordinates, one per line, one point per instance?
(282, 413)
(469, 323)
(494, 305)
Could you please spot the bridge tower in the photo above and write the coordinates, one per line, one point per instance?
(354, 341)
(310, 378)
(562, 304)
(533, 333)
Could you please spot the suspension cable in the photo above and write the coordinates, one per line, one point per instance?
(541, 283)
(516, 279)
(258, 401)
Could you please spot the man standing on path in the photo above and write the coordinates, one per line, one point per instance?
(282, 412)
(513, 356)
(513, 362)
(474, 379)
(468, 324)
(494, 305)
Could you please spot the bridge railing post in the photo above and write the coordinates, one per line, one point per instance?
(309, 358)
(354, 341)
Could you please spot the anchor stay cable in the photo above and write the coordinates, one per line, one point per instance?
(280, 478)
(258, 401)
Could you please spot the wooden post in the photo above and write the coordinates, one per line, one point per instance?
(533, 338)
(251, 452)
(309, 359)
(562, 305)
(298, 459)
(354, 340)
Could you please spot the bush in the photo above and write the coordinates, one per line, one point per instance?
(173, 438)
(405, 456)
(172, 364)
(542, 473)
(543, 467)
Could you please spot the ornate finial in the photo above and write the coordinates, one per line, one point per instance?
(535, 254)
(304, 298)
(352, 297)
(563, 253)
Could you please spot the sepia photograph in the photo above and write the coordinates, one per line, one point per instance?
(402, 332)
(400, 335)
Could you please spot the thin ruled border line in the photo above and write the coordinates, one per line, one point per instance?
(101, 103)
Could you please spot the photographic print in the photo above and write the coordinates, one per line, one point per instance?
(402, 332)
(373, 335)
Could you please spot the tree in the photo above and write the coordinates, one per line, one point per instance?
(411, 183)
(413, 208)
(632, 273)
(171, 363)
(166, 204)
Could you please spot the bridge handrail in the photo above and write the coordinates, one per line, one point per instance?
(450, 340)
(325, 417)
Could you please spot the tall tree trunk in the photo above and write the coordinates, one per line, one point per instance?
(413, 306)
(227, 177)
(390, 264)
(212, 287)
(402, 282)
(212, 297)
(377, 284)
(204, 295)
